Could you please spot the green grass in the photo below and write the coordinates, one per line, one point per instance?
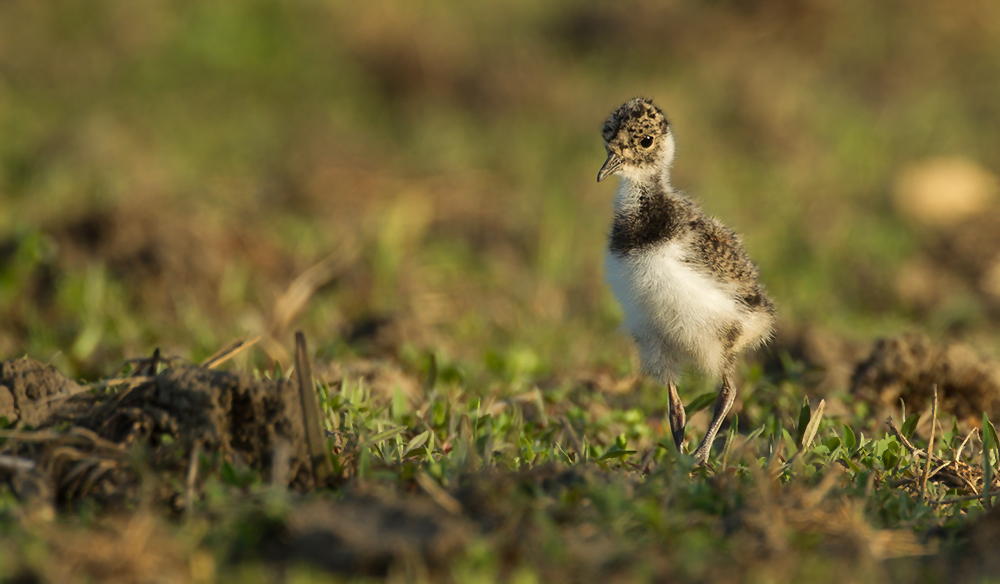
(547, 485)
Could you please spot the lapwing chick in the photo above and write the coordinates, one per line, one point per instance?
(689, 292)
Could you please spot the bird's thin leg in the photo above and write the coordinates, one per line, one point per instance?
(677, 417)
(727, 395)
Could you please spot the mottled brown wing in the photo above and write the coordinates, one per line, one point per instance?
(721, 252)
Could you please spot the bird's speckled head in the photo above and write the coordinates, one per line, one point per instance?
(638, 140)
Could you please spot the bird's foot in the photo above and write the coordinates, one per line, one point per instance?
(701, 455)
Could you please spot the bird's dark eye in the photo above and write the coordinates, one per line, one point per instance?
(647, 142)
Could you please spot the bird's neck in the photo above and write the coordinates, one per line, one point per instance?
(647, 213)
(634, 189)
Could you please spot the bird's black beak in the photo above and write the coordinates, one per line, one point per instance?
(612, 164)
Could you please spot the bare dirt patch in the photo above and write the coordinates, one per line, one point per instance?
(164, 259)
(962, 260)
(830, 359)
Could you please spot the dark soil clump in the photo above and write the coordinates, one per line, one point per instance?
(235, 419)
(908, 366)
(830, 359)
(27, 389)
(241, 418)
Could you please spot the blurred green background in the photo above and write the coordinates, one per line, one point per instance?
(168, 168)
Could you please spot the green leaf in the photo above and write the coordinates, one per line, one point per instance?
(400, 404)
(990, 442)
(991, 433)
(889, 459)
(432, 373)
(416, 442)
(789, 443)
(729, 439)
(836, 453)
(615, 454)
(753, 435)
(910, 425)
(850, 441)
(229, 474)
(852, 465)
(804, 415)
(701, 402)
(880, 446)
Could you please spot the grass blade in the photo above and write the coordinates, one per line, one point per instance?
(930, 449)
(615, 454)
(804, 417)
(990, 443)
(701, 402)
(385, 435)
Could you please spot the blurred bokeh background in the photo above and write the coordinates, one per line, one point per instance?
(406, 178)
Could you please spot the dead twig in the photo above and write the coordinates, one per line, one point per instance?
(957, 474)
(964, 498)
(916, 452)
(321, 465)
(107, 383)
(939, 468)
(8, 462)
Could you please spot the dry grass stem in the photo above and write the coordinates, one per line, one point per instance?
(192, 478)
(813, 425)
(8, 462)
(439, 495)
(574, 440)
(956, 475)
(930, 448)
(228, 352)
(961, 447)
